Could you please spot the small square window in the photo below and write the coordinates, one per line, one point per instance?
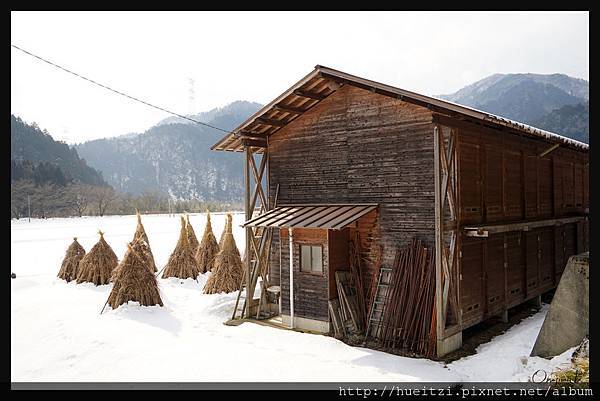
(311, 258)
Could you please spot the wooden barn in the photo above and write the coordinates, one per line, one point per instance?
(343, 171)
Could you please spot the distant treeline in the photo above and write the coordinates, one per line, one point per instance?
(40, 173)
(53, 200)
(35, 154)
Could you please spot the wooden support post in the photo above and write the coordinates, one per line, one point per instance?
(291, 241)
(440, 323)
(257, 260)
(249, 294)
(537, 301)
(448, 331)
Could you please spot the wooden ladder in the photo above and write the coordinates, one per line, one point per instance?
(379, 299)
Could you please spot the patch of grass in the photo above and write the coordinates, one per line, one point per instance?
(577, 375)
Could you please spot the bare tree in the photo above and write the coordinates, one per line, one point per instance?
(102, 197)
(79, 198)
(148, 202)
(18, 197)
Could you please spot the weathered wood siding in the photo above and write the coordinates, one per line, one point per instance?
(502, 179)
(359, 147)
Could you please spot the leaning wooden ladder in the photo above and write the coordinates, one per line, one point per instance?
(379, 299)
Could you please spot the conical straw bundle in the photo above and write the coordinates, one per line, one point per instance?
(181, 263)
(191, 234)
(134, 280)
(140, 232)
(97, 265)
(70, 264)
(227, 222)
(227, 273)
(143, 249)
(208, 248)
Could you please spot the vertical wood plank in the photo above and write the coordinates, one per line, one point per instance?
(438, 236)
(248, 152)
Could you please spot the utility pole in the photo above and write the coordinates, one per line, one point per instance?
(28, 208)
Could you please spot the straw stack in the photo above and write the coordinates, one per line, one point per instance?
(227, 223)
(70, 264)
(134, 280)
(227, 273)
(141, 232)
(181, 263)
(97, 266)
(208, 248)
(191, 234)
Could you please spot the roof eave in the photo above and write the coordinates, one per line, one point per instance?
(416, 98)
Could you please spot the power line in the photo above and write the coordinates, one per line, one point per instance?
(118, 92)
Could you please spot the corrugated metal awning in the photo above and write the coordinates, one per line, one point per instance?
(328, 216)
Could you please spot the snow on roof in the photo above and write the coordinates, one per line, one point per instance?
(522, 126)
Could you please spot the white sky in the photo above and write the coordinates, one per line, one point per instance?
(255, 56)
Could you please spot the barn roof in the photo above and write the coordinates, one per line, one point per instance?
(323, 81)
(329, 216)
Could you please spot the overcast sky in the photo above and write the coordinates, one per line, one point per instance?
(225, 56)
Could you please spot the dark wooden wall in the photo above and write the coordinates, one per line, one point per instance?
(360, 147)
(502, 179)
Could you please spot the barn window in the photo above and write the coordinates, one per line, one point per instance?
(311, 258)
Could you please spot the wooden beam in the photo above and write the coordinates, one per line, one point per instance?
(453, 267)
(333, 85)
(439, 219)
(550, 149)
(270, 121)
(288, 109)
(255, 142)
(484, 231)
(458, 222)
(248, 212)
(309, 95)
(258, 180)
(250, 134)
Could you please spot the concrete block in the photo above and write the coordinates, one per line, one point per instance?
(449, 344)
(567, 321)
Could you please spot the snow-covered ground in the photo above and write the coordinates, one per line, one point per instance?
(58, 334)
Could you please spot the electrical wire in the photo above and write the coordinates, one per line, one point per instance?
(119, 92)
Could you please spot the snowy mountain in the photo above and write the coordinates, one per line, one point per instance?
(523, 97)
(174, 157)
(571, 121)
